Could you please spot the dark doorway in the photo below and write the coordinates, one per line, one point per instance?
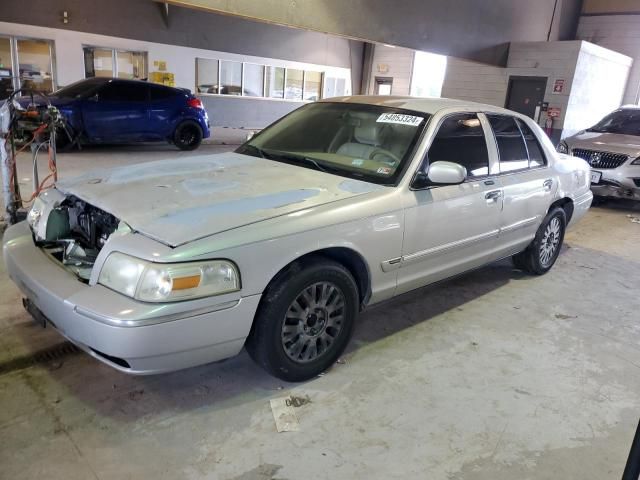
(383, 85)
(526, 94)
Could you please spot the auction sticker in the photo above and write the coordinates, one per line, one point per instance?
(384, 170)
(400, 119)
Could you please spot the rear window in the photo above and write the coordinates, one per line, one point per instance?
(536, 156)
(160, 93)
(123, 92)
(511, 145)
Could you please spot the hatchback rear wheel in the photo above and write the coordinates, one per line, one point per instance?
(188, 135)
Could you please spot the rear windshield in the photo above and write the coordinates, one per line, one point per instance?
(368, 142)
(625, 122)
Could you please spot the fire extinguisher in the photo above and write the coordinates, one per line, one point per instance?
(548, 126)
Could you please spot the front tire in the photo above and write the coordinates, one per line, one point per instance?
(305, 320)
(543, 251)
(188, 135)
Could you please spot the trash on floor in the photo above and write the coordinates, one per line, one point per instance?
(633, 219)
(284, 415)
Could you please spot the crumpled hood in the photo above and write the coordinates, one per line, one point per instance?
(177, 201)
(606, 142)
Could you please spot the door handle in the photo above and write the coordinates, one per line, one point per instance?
(493, 195)
(547, 184)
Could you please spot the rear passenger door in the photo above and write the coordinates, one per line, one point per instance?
(527, 184)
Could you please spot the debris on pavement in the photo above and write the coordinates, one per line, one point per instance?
(284, 415)
(633, 219)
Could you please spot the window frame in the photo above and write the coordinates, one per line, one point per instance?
(114, 60)
(16, 80)
(516, 120)
(545, 160)
(425, 159)
(264, 66)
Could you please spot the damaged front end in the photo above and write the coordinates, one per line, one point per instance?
(71, 231)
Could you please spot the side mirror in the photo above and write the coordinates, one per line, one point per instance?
(441, 173)
(447, 173)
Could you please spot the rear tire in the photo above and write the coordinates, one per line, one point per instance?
(543, 251)
(188, 135)
(305, 320)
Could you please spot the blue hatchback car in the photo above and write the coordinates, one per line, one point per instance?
(112, 110)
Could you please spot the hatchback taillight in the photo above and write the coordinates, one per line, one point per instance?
(195, 103)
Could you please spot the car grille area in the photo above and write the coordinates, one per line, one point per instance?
(601, 160)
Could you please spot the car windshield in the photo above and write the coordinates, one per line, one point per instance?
(78, 89)
(625, 122)
(366, 142)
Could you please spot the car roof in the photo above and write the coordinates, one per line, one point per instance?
(428, 105)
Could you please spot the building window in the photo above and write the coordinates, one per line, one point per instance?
(312, 85)
(334, 87)
(26, 63)
(227, 77)
(230, 78)
(108, 62)
(6, 68)
(293, 84)
(131, 65)
(428, 74)
(207, 75)
(274, 82)
(253, 80)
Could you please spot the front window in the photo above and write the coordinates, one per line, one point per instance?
(366, 142)
(625, 122)
(82, 88)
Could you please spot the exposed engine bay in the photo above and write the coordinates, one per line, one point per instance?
(75, 234)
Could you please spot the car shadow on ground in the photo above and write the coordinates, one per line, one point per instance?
(238, 380)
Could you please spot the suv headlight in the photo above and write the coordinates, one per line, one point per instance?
(168, 282)
(563, 147)
(636, 161)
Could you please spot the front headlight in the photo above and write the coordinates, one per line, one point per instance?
(168, 282)
(636, 161)
(563, 147)
(35, 214)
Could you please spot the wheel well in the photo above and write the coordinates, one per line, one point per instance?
(348, 258)
(566, 204)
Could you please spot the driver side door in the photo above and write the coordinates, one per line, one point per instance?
(119, 112)
(453, 228)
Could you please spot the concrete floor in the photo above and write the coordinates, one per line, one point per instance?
(494, 375)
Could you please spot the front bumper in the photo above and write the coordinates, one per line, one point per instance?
(621, 182)
(131, 336)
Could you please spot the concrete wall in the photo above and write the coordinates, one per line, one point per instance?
(471, 29)
(475, 82)
(395, 62)
(598, 86)
(620, 33)
(237, 112)
(594, 80)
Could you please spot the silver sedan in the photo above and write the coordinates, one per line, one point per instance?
(277, 246)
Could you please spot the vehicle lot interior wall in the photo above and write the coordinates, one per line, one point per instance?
(475, 82)
(393, 62)
(69, 66)
(479, 31)
(143, 20)
(598, 86)
(620, 33)
(580, 65)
